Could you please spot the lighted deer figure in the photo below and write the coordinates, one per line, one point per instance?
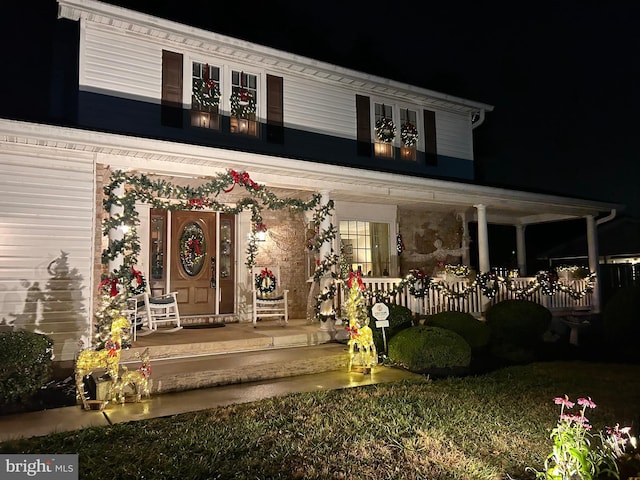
(139, 380)
(360, 334)
(89, 360)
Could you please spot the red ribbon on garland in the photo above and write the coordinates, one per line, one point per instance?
(114, 285)
(241, 179)
(196, 202)
(357, 276)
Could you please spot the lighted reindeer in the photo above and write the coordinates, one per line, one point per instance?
(108, 359)
(138, 380)
(361, 342)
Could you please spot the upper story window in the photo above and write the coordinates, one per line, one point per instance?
(408, 134)
(205, 96)
(385, 130)
(243, 100)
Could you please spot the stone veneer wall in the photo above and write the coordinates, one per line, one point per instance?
(420, 229)
(286, 246)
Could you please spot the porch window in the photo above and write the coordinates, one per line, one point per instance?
(385, 130)
(244, 98)
(408, 134)
(206, 91)
(366, 246)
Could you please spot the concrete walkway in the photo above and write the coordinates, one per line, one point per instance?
(75, 418)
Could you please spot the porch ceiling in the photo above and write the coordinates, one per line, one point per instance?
(193, 164)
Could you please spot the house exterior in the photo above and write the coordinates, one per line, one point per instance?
(186, 124)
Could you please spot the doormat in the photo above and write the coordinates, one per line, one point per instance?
(203, 325)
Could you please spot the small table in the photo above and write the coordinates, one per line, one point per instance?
(577, 321)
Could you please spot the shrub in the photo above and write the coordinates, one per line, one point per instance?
(425, 349)
(516, 329)
(399, 318)
(25, 364)
(621, 319)
(474, 331)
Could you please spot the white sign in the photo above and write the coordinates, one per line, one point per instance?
(380, 312)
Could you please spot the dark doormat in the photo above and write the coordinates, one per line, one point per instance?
(203, 325)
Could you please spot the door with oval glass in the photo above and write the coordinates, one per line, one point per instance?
(193, 240)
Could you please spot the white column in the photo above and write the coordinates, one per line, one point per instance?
(594, 266)
(483, 240)
(326, 309)
(116, 234)
(521, 250)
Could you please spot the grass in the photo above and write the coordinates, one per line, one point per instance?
(489, 426)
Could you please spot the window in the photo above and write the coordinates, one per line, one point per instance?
(408, 134)
(366, 246)
(244, 98)
(385, 130)
(205, 96)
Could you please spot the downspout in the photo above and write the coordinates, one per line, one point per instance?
(608, 218)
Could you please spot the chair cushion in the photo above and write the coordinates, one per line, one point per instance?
(161, 300)
(270, 298)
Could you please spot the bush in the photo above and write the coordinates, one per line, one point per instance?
(399, 318)
(621, 320)
(25, 364)
(474, 331)
(425, 349)
(516, 329)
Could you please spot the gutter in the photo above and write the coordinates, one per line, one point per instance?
(606, 219)
(477, 118)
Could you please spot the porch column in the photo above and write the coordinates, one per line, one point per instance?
(327, 313)
(521, 250)
(594, 266)
(117, 233)
(483, 240)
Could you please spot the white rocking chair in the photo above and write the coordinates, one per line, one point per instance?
(157, 310)
(269, 298)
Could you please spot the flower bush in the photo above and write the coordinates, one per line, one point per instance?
(577, 453)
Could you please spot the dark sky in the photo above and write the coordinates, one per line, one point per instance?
(563, 76)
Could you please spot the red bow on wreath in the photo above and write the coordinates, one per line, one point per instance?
(194, 245)
(266, 273)
(137, 275)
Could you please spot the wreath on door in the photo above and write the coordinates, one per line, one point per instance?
(266, 281)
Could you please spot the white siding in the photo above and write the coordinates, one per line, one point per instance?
(46, 208)
(130, 66)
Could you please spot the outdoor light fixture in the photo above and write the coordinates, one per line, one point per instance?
(260, 230)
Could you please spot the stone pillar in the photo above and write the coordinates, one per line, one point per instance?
(521, 250)
(483, 240)
(327, 313)
(116, 234)
(594, 265)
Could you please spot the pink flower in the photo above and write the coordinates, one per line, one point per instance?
(586, 402)
(565, 402)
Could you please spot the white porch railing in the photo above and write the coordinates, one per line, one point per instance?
(437, 300)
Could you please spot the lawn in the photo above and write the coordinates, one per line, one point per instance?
(488, 426)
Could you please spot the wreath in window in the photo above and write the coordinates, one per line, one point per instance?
(242, 103)
(385, 130)
(408, 134)
(206, 93)
(266, 282)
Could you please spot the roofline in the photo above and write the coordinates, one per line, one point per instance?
(180, 33)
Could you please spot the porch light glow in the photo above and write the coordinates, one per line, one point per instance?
(260, 231)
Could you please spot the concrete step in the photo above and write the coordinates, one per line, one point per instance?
(196, 358)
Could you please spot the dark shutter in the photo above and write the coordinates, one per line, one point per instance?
(275, 115)
(171, 108)
(430, 150)
(363, 115)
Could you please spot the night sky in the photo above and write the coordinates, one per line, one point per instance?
(563, 76)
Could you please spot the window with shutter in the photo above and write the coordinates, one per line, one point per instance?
(243, 102)
(206, 91)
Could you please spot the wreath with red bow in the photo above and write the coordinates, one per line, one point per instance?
(266, 281)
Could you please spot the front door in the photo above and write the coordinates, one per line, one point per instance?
(193, 247)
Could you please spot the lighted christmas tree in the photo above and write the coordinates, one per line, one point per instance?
(360, 334)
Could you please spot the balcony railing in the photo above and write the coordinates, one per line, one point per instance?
(465, 296)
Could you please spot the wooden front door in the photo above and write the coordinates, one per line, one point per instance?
(193, 246)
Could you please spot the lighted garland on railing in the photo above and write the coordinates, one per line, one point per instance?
(419, 286)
